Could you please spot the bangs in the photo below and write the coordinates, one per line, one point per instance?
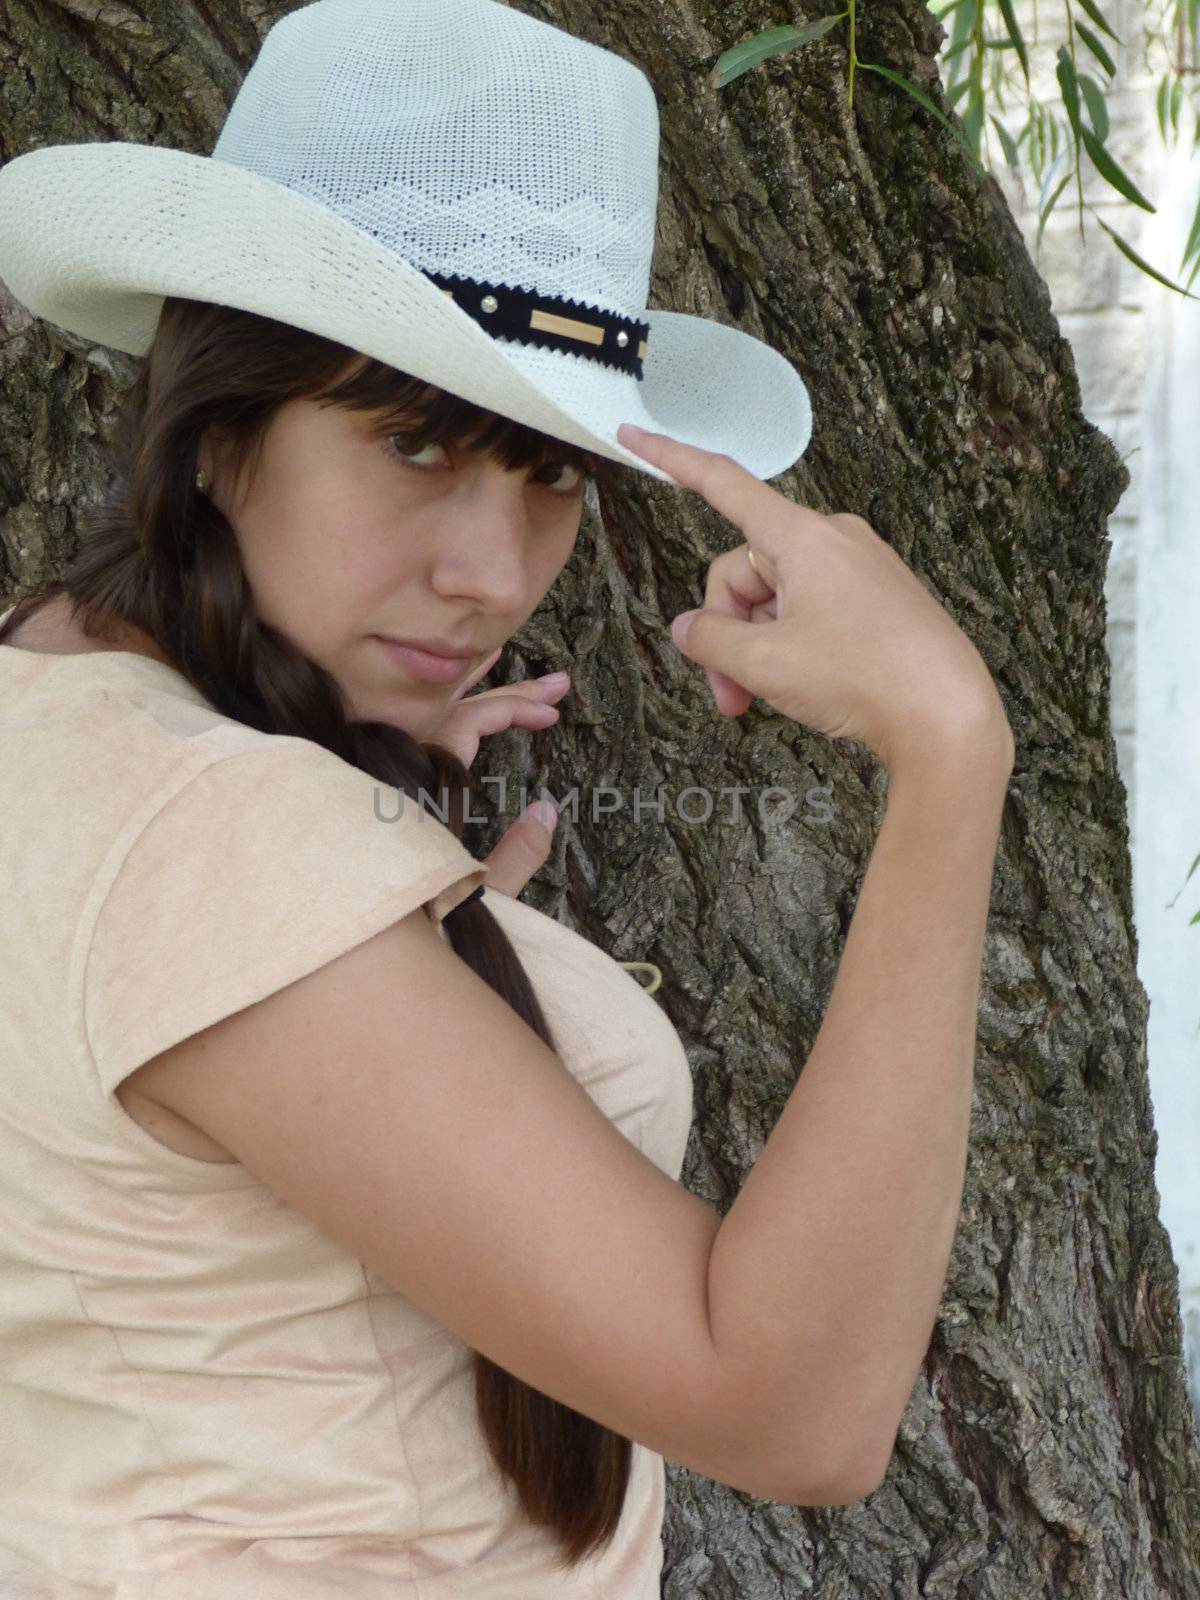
(403, 404)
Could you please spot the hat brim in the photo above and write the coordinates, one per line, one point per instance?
(93, 236)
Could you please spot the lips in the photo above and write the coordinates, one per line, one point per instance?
(426, 665)
(434, 647)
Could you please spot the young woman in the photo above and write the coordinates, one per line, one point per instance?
(344, 1248)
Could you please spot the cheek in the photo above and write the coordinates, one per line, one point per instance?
(373, 563)
(285, 574)
(299, 584)
(562, 541)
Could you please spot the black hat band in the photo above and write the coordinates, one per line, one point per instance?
(550, 321)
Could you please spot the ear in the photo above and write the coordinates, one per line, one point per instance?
(204, 456)
(212, 455)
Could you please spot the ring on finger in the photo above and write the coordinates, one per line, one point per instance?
(754, 564)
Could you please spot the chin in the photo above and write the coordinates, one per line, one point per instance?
(407, 721)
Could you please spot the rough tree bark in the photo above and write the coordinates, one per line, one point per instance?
(1048, 1448)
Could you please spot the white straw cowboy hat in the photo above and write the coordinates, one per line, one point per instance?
(451, 186)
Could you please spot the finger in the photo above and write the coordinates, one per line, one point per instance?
(546, 689)
(537, 690)
(471, 721)
(733, 574)
(509, 711)
(522, 850)
(481, 671)
(729, 696)
(729, 488)
(724, 592)
(734, 589)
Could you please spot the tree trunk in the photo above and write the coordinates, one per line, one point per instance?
(1048, 1448)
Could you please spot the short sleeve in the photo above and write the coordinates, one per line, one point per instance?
(259, 869)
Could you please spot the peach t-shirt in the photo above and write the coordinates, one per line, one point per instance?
(202, 1397)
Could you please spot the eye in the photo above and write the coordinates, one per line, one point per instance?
(404, 456)
(577, 477)
(576, 482)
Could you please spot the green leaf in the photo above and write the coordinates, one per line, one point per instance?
(1045, 202)
(1160, 105)
(1128, 251)
(1112, 173)
(923, 98)
(1069, 85)
(752, 52)
(1094, 12)
(1182, 887)
(1193, 239)
(1097, 49)
(1006, 141)
(957, 49)
(954, 95)
(973, 120)
(963, 29)
(1042, 219)
(1014, 33)
(1096, 105)
(944, 11)
(1048, 194)
(1037, 138)
(1176, 97)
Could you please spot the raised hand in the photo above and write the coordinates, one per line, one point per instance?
(835, 631)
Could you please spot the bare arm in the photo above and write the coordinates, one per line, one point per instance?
(858, 1188)
(399, 1102)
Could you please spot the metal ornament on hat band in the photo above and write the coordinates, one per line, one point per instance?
(551, 321)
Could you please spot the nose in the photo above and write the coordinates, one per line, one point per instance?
(482, 550)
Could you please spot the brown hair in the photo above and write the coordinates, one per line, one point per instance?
(160, 556)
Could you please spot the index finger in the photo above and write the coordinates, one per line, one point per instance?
(747, 501)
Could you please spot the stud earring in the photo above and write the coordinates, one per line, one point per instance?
(200, 480)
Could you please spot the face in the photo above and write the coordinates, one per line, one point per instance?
(347, 533)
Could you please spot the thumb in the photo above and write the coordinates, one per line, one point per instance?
(520, 852)
(680, 627)
(709, 638)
